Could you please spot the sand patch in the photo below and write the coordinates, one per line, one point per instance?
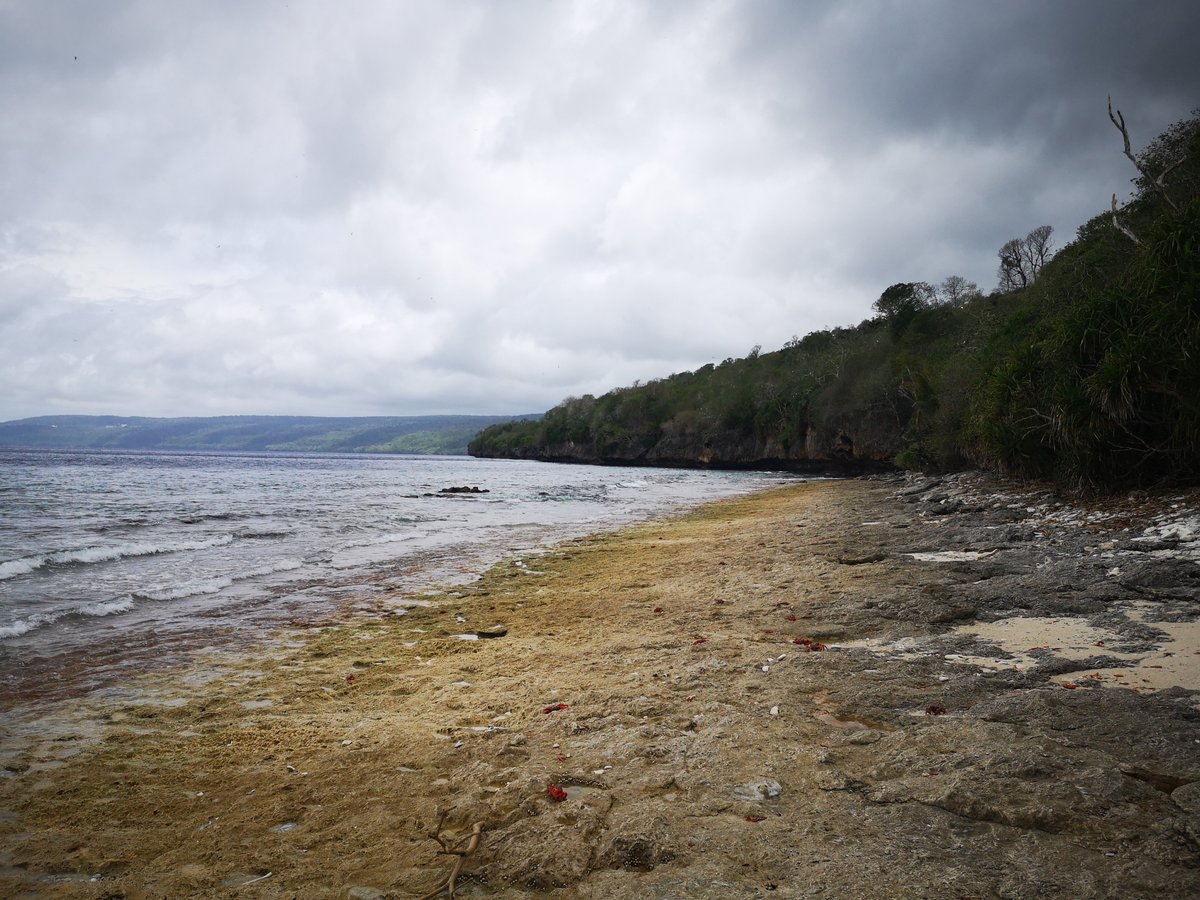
(1174, 662)
(952, 555)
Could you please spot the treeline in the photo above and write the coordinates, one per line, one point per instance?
(1083, 366)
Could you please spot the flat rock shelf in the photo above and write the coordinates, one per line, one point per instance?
(877, 687)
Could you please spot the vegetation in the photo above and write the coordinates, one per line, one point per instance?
(1084, 366)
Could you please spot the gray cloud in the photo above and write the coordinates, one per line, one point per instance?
(476, 207)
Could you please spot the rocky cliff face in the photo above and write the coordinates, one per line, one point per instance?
(852, 444)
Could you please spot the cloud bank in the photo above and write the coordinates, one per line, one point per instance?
(380, 208)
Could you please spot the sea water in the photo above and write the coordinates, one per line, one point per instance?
(116, 561)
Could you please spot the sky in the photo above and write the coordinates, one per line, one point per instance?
(404, 208)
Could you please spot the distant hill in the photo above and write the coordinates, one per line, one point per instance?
(314, 434)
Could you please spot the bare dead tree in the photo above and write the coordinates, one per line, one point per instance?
(1021, 259)
(1035, 249)
(956, 290)
(1155, 181)
(1011, 274)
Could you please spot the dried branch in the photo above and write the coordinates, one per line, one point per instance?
(1117, 224)
(1156, 182)
(1119, 121)
(436, 834)
(459, 851)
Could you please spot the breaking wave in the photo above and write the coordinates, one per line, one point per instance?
(86, 611)
(27, 564)
(204, 586)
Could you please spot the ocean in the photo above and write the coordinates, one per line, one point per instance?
(113, 562)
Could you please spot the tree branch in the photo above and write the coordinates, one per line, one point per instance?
(458, 851)
(1124, 229)
(1118, 121)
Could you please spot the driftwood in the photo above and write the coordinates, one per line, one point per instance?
(459, 851)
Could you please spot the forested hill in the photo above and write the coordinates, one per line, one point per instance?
(373, 434)
(1082, 365)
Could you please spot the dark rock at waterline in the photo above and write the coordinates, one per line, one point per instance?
(464, 489)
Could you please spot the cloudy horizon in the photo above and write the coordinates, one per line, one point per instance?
(465, 207)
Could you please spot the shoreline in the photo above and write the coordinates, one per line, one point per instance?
(704, 748)
(65, 633)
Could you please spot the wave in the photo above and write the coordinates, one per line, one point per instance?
(207, 517)
(27, 564)
(204, 586)
(23, 566)
(87, 611)
(379, 540)
(267, 531)
(127, 602)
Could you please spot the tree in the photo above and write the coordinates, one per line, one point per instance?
(956, 290)
(905, 296)
(1021, 259)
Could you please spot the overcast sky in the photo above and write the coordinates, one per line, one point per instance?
(400, 208)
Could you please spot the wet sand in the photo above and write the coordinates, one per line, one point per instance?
(790, 694)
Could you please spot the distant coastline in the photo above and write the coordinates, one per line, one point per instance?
(444, 435)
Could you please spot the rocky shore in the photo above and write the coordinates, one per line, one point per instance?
(879, 687)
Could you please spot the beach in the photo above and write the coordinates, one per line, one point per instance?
(856, 688)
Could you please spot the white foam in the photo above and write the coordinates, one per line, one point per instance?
(14, 567)
(87, 555)
(205, 586)
(107, 607)
(89, 610)
(24, 626)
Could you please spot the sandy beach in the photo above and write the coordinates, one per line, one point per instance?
(861, 688)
